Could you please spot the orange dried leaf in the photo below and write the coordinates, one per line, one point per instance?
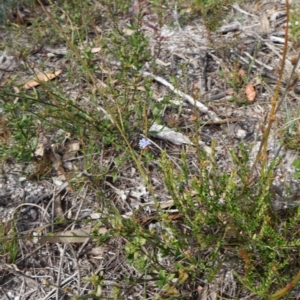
(294, 60)
(42, 77)
(193, 117)
(250, 92)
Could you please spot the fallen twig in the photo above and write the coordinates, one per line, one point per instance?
(190, 99)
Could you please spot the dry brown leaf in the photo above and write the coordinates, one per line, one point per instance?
(139, 88)
(294, 60)
(39, 152)
(265, 24)
(71, 236)
(193, 117)
(100, 84)
(71, 150)
(42, 77)
(97, 252)
(139, 8)
(4, 130)
(58, 212)
(250, 92)
(230, 91)
(162, 63)
(96, 49)
(128, 31)
(17, 91)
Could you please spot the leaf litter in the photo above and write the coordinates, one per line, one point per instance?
(129, 193)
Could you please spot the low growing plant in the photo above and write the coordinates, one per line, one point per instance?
(219, 221)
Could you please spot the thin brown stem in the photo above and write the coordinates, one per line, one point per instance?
(262, 152)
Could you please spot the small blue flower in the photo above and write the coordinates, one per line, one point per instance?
(144, 143)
